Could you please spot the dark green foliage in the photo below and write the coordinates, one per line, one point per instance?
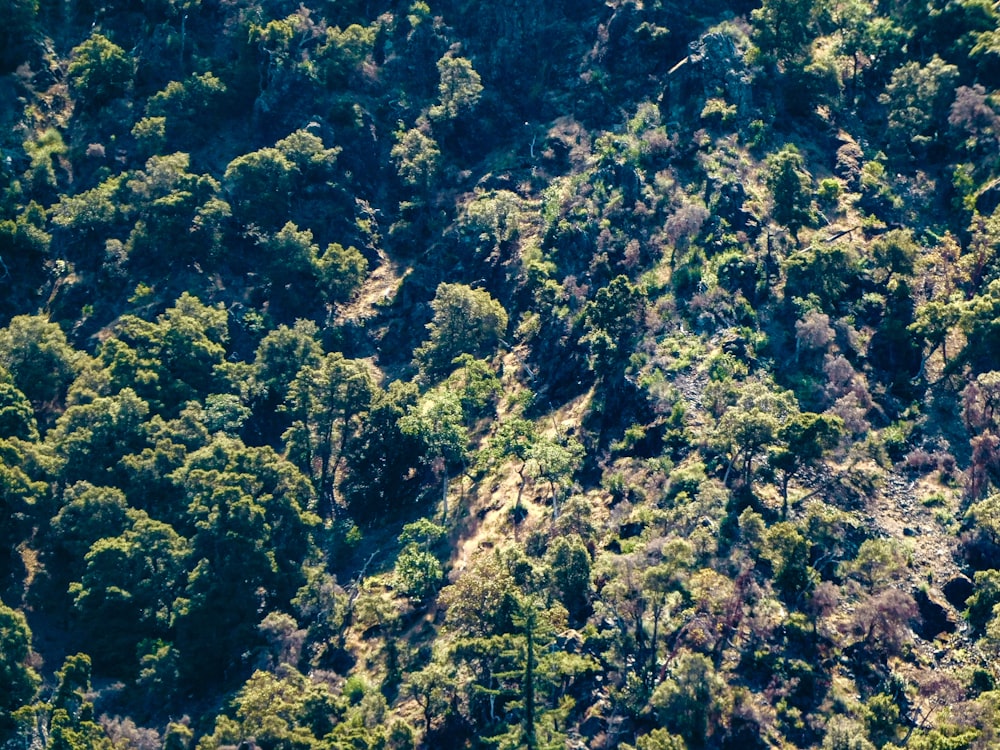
(39, 359)
(791, 186)
(569, 563)
(17, 33)
(466, 321)
(99, 71)
(19, 679)
(251, 534)
(276, 280)
(173, 360)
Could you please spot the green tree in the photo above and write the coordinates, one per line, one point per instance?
(752, 424)
(381, 461)
(176, 359)
(459, 88)
(17, 32)
(341, 271)
(824, 274)
(691, 701)
(283, 353)
(17, 420)
(90, 439)
(327, 403)
(71, 722)
(790, 185)
(183, 109)
(432, 688)
(613, 319)
(174, 209)
(99, 71)
(802, 441)
(555, 461)
(418, 572)
(44, 152)
(919, 98)
(40, 360)
(345, 51)
(568, 562)
(19, 679)
(260, 185)
(783, 29)
(20, 498)
(788, 549)
(466, 321)
(127, 591)
(513, 440)
(287, 712)
(252, 533)
(417, 158)
(437, 423)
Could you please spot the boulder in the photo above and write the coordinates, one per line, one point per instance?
(958, 590)
(935, 617)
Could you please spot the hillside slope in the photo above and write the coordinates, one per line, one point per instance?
(566, 374)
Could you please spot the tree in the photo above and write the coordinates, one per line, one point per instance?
(513, 440)
(127, 591)
(751, 425)
(782, 30)
(380, 462)
(17, 32)
(483, 601)
(690, 701)
(289, 258)
(259, 185)
(252, 533)
(437, 422)
(556, 461)
(40, 360)
(341, 272)
(824, 274)
(882, 621)
(569, 575)
(613, 319)
(71, 723)
(919, 98)
(20, 496)
(418, 573)
(417, 158)
(327, 403)
(99, 71)
(872, 41)
(174, 209)
(185, 108)
(466, 321)
(286, 712)
(459, 88)
(20, 680)
(281, 355)
(790, 185)
(90, 439)
(176, 359)
(802, 440)
(431, 687)
(789, 550)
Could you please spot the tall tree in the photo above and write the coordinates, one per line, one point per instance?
(466, 321)
(327, 403)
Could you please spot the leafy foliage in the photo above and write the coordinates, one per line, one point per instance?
(507, 375)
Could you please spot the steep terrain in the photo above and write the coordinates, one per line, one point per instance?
(512, 375)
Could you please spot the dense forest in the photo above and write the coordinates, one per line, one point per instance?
(451, 374)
